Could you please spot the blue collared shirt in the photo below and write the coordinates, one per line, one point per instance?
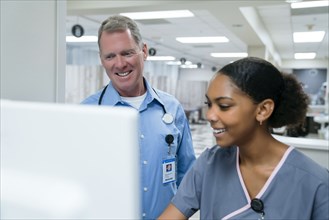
(153, 148)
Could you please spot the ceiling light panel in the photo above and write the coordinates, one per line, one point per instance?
(159, 14)
(160, 58)
(83, 39)
(191, 66)
(196, 40)
(308, 37)
(299, 56)
(310, 4)
(229, 54)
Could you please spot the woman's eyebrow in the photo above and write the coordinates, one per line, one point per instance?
(220, 98)
(223, 97)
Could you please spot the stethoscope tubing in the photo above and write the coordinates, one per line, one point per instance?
(167, 118)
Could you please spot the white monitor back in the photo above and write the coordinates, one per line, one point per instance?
(69, 161)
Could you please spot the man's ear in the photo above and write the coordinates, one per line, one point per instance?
(145, 51)
(264, 110)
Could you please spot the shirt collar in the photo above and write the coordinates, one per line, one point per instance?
(152, 93)
(112, 97)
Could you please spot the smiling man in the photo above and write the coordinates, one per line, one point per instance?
(122, 54)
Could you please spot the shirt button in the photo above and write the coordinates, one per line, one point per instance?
(145, 162)
(144, 214)
(142, 136)
(145, 189)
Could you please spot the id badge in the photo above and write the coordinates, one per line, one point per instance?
(168, 170)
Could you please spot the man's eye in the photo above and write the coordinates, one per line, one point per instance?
(109, 57)
(129, 54)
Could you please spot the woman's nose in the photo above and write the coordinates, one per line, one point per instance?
(211, 115)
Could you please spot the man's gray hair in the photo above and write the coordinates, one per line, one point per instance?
(120, 23)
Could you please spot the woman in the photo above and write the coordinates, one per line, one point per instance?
(249, 174)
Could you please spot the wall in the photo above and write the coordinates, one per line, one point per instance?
(316, 149)
(33, 50)
(191, 89)
(196, 74)
(312, 80)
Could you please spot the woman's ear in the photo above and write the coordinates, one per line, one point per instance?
(264, 110)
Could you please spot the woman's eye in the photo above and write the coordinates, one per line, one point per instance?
(224, 107)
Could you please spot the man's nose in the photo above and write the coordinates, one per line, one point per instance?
(120, 61)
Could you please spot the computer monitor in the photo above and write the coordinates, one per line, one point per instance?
(61, 161)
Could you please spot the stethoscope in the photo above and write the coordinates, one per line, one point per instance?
(167, 118)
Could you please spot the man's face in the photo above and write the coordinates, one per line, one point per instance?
(123, 61)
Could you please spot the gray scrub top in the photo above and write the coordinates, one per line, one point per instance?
(298, 188)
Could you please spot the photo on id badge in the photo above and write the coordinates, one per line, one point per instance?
(168, 170)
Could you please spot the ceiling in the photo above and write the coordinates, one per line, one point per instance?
(257, 27)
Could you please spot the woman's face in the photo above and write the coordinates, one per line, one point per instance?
(231, 113)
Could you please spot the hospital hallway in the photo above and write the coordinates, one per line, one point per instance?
(202, 137)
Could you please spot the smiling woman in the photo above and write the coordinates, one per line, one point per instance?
(247, 172)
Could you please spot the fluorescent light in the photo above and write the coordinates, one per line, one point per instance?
(177, 63)
(310, 4)
(158, 14)
(229, 54)
(84, 39)
(293, 1)
(174, 63)
(160, 58)
(306, 37)
(187, 64)
(191, 66)
(299, 56)
(193, 40)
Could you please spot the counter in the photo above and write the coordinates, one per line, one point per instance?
(317, 149)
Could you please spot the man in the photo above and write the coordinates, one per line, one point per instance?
(165, 136)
